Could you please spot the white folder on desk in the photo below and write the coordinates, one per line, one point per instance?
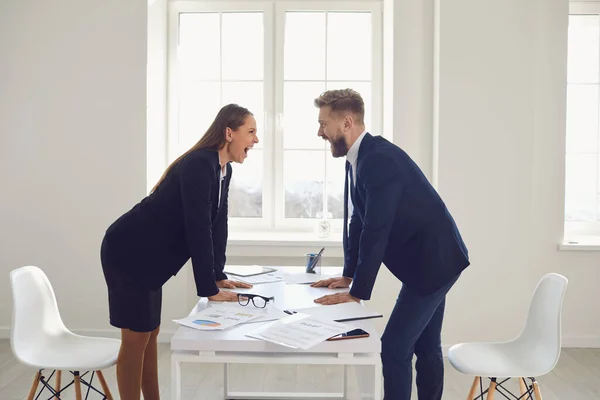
(342, 312)
(303, 278)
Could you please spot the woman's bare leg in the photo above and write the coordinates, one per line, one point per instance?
(150, 368)
(130, 362)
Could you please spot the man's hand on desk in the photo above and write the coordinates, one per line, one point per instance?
(337, 298)
(227, 284)
(333, 283)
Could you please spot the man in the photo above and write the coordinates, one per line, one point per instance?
(398, 219)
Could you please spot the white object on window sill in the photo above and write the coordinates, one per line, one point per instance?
(580, 243)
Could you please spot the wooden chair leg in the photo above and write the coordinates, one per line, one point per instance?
(492, 390)
(57, 386)
(77, 386)
(522, 387)
(105, 388)
(536, 391)
(34, 386)
(474, 386)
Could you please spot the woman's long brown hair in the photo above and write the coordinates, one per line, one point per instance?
(230, 116)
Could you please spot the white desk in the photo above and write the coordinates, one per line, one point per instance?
(233, 347)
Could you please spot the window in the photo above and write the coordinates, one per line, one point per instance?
(274, 58)
(582, 188)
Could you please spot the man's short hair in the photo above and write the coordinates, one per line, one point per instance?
(343, 100)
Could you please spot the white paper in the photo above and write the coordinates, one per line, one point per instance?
(218, 317)
(300, 331)
(304, 278)
(340, 312)
(256, 279)
(269, 313)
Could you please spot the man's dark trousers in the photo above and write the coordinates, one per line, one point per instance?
(414, 328)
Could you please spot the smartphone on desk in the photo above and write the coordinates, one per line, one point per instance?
(353, 334)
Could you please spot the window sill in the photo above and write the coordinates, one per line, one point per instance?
(580, 243)
(282, 244)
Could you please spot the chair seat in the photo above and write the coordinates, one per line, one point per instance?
(68, 351)
(500, 360)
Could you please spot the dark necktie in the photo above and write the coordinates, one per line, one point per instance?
(348, 176)
(351, 184)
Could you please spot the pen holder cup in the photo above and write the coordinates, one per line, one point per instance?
(309, 260)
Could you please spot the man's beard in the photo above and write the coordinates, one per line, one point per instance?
(339, 147)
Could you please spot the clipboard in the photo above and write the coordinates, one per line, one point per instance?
(248, 270)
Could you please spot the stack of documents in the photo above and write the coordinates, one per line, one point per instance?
(299, 331)
(221, 316)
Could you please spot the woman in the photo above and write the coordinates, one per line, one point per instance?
(185, 216)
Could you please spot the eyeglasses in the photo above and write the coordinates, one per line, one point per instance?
(257, 300)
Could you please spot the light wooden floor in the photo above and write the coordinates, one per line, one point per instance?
(577, 377)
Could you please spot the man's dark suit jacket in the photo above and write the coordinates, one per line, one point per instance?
(398, 219)
(179, 220)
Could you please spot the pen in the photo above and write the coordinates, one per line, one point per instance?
(312, 265)
(289, 312)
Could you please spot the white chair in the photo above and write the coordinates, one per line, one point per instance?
(40, 339)
(533, 353)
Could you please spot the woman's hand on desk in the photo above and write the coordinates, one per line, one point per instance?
(224, 295)
(337, 298)
(227, 284)
(333, 283)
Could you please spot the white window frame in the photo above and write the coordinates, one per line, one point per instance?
(376, 107)
(273, 199)
(579, 229)
(266, 7)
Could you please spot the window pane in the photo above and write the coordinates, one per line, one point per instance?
(582, 118)
(243, 46)
(303, 181)
(581, 190)
(584, 45)
(336, 169)
(300, 126)
(199, 44)
(304, 46)
(249, 95)
(245, 189)
(348, 33)
(364, 89)
(198, 107)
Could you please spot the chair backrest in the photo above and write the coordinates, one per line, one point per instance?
(542, 332)
(35, 311)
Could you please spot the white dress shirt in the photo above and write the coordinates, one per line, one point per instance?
(352, 157)
(222, 176)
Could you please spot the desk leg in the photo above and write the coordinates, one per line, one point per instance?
(175, 378)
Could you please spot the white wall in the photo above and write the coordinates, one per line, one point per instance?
(73, 150)
(72, 129)
(501, 165)
(497, 144)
